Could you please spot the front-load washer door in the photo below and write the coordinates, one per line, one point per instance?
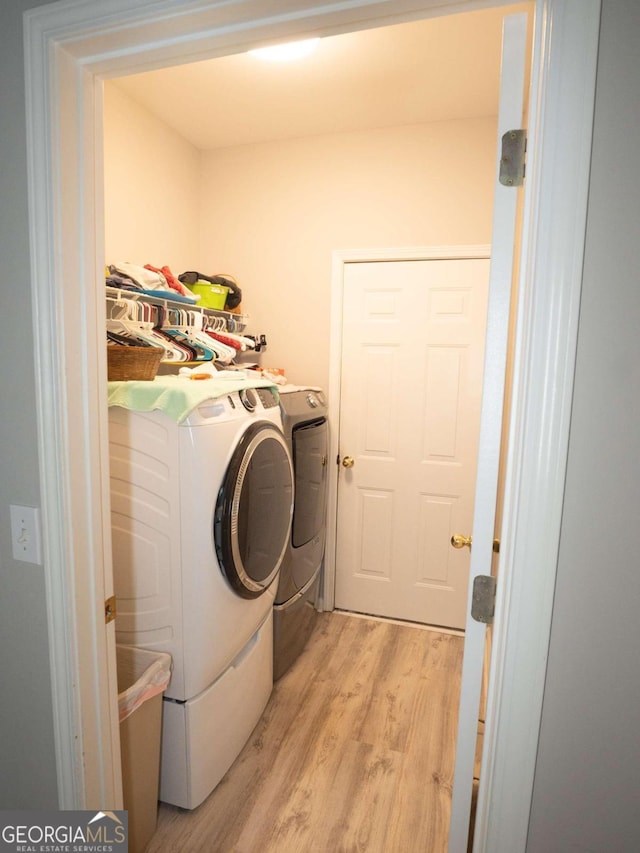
(310, 449)
(252, 521)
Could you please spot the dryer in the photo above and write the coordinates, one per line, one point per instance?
(306, 429)
(201, 519)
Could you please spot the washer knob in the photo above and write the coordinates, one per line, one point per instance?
(248, 399)
(312, 400)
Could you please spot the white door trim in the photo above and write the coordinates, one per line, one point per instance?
(560, 132)
(340, 258)
(67, 45)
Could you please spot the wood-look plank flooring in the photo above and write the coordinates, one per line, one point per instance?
(354, 752)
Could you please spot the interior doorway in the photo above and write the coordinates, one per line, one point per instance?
(461, 187)
(58, 258)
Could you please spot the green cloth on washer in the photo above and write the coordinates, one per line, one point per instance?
(177, 396)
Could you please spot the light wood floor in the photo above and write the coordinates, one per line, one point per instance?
(354, 752)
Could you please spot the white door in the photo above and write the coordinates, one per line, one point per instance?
(500, 288)
(412, 355)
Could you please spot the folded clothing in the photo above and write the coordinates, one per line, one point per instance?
(176, 396)
(148, 279)
(120, 281)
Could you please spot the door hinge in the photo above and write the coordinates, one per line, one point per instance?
(512, 165)
(483, 601)
(110, 610)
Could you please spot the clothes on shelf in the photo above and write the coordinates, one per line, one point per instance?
(147, 279)
(185, 334)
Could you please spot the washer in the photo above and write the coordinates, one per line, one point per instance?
(201, 520)
(306, 429)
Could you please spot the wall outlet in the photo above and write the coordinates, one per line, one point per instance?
(25, 534)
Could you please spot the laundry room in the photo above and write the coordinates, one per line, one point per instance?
(376, 146)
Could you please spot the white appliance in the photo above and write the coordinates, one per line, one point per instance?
(201, 518)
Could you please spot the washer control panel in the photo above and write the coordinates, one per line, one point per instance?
(267, 397)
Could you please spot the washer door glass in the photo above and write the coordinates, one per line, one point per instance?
(310, 450)
(252, 522)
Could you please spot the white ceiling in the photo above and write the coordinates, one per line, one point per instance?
(432, 70)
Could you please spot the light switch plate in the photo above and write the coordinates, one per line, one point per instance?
(25, 534)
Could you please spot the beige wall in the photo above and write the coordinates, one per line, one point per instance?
(28, 779)
(151, 187)
(272, 214)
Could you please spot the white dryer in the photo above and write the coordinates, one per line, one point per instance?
(201, 518)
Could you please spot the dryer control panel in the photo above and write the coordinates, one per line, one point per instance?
(316, 399)
(303, 404)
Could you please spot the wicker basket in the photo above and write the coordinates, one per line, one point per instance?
(132, 362)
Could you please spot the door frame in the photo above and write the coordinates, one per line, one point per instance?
(340, 259)
(69, 47)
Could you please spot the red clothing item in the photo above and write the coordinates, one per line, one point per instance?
(230, 342)
(172, 281)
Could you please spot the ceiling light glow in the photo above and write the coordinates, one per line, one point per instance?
(286, 52)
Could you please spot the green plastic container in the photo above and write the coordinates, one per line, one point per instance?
(211, 295)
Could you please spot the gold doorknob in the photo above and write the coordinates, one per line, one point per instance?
(348, 461)
(460, 541)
